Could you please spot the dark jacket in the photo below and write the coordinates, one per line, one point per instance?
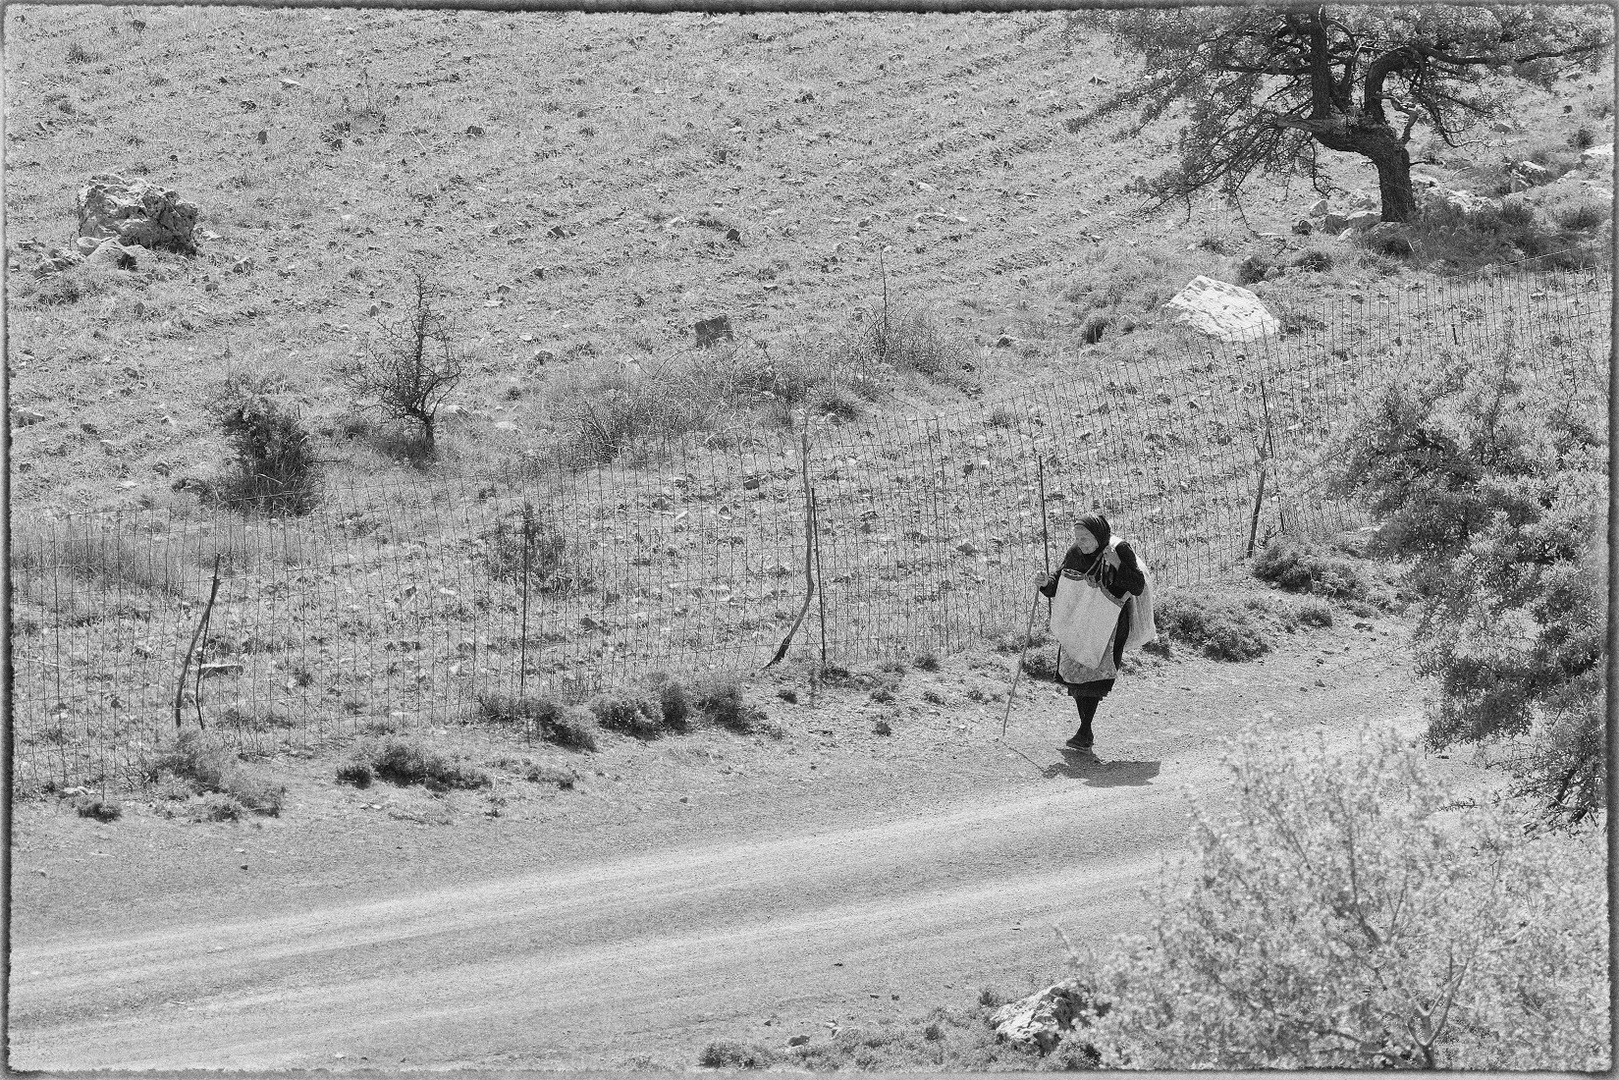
(1118, 580)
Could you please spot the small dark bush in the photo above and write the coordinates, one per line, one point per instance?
(882, 695)
(355, 773)
(1300, 567)
(882, 727)
(928, 661)
(1315, 613)
(404, 763)
(674, 703)
(574, 728)
(529, 537)
(732, 1055)
(1314, 261)
(275, 470)
(788, 694)
(720, 702)
(631, 714)
(550, 774)
(215, 806)
(94, 806)
(1254, 269)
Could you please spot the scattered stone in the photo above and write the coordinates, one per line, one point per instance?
(113, 254)
(1222, 310)
(1362, 219)
(136, 212)
(712, 331)
(1458, 201)
(1526, 174)
(1598, 157)
(798, 1040)
(1333, 223)
(1318, 208)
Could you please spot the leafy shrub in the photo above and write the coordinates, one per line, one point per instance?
(193, 766)
(734, 1055)
(101, 809)
(882, 727)
(274, 470)
(405, 763)
(1221, 629)
(1347, 910)
(1490, 477)
(1581, 216)
(529, 538)
(1492, 235)
(928, 661)
(631, 714)
(1299, 566)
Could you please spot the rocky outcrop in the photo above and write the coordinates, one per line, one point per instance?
(1040, 1020)
(136, 212)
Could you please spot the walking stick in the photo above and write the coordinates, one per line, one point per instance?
(1012, 693)
(1045, 546)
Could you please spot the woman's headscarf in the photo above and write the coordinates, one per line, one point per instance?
(1099, 528)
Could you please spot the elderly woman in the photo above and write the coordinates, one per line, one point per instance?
(1099, 587)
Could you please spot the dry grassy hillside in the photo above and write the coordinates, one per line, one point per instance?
(587, 187)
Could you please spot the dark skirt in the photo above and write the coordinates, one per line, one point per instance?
(1097, 688)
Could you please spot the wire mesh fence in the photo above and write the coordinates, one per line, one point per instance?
(411, 601)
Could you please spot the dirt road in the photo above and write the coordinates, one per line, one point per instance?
(519, 951)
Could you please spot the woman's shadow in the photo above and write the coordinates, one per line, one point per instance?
(1086, 766)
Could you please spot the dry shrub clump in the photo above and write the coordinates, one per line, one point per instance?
(1299, 566)
(405, 763)
(1223, 629)
(568, 726)
(193, 768)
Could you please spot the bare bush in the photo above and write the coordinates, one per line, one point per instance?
(411, 365)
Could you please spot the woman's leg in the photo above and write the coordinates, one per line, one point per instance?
(1087, 711)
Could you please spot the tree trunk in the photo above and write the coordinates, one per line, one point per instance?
(1378, 143)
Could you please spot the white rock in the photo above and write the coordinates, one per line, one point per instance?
(1039, 1020)
(1222, 310)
